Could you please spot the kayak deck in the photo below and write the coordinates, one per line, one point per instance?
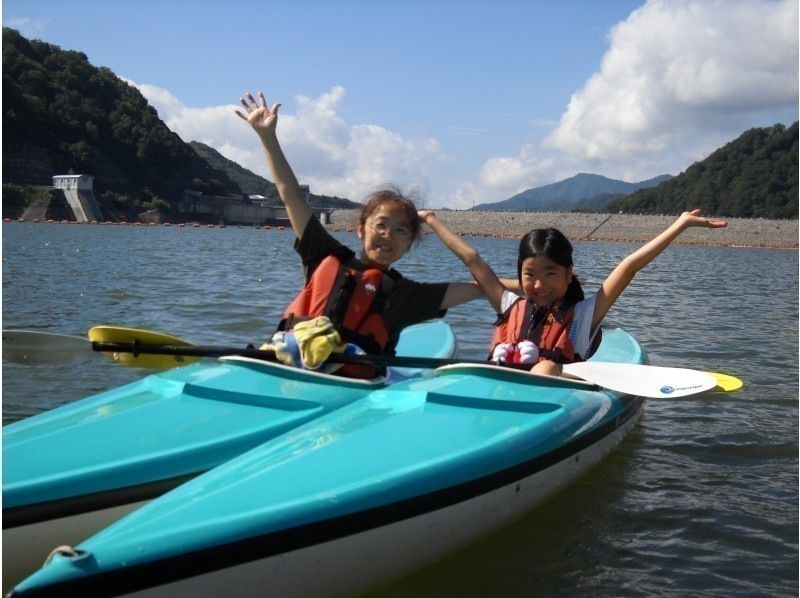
(175, 423)
(414, 448)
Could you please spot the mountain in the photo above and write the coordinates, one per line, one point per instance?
(582, 192)
(253, 184)
(62, 115)
(246, 181)
(754, 176)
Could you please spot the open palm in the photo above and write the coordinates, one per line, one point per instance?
(258, 114)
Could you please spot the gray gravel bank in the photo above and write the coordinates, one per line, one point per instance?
(745, 232)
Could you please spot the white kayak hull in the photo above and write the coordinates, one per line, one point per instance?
(354, 563)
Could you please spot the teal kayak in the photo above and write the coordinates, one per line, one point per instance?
(71, 471)
(362, 494)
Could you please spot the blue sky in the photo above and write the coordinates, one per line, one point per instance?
(469, 101)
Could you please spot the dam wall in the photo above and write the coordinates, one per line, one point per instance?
(79, 192)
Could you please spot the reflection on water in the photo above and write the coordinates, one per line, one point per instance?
(700, 498)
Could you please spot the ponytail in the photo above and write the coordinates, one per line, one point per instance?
(574, 292)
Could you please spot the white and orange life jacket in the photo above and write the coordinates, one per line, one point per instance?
(549, 330)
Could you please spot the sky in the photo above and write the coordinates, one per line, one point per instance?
(466, 101)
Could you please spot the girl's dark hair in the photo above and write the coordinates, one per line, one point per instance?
(552, 244)
(392, 194)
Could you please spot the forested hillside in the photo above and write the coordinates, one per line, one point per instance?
(62, 115)
(754, 176)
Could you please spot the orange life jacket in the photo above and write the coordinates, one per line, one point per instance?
(548, 329)
(353, 296)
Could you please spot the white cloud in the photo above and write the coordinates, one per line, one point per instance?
(168, 106)
(332, 156)
(503, 176)
(517, 172)
(680, 79)
(683, 74)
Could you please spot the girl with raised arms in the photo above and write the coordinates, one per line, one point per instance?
(554, 323)
(368, 302)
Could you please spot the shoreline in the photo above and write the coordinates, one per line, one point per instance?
(609, 228)
(751, 233)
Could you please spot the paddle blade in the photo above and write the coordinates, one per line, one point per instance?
(726, 382)
(33, 347)
(119, 334)
(643, 380)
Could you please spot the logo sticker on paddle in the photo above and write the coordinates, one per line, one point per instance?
(668, 390)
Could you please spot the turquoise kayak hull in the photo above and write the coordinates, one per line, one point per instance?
(394, 479)
(70, 471)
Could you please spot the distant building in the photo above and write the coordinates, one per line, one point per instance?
(74, 181)
(241, 209)
(79, 191)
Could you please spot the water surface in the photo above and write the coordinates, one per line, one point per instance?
(700, 499)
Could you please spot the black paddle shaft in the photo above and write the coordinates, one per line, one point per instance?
(136, 348)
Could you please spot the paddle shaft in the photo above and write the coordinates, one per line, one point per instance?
(137, 348)
(37, 347)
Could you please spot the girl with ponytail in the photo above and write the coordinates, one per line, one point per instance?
(553, 323)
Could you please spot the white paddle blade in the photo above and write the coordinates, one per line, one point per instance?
(643, 380)
(35, 348)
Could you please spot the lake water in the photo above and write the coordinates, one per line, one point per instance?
(701, 499)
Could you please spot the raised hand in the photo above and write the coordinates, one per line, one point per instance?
(423, 215)
(696, 218)
(627, 268)
(264, 119)
(261, 117)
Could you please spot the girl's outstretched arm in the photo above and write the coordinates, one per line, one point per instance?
(623, 274)
(487, 280)
(264, 119)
